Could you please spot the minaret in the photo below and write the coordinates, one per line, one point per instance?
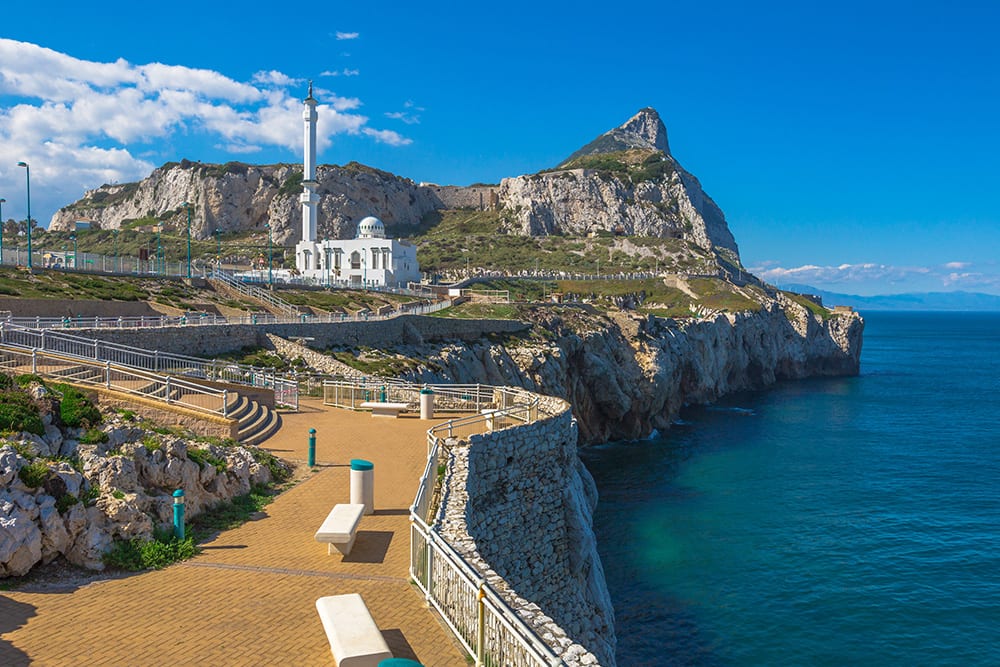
(309, 198)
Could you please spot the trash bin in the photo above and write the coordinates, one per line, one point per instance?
(363, 484)
(426, 403)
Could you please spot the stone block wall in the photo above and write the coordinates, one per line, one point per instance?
(518, 506)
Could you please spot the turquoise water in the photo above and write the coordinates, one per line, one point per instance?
(849, 521)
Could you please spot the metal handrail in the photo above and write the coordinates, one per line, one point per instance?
(467, 602)
(254, 292)
(285, 388)
(206, 319)
(76, 370)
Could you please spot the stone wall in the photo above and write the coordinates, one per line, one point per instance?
(218, 339)
(518, 506)
(20, 307)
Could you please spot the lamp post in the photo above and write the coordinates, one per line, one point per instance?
(270, 262)
(188, 207)
(27, 181)
(118, 265)
(218, 246)
(161, 260)
(72, 237)
(2, 200)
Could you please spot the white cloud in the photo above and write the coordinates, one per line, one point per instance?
(343, 72)
(80, 123)
(409, 119)
(347, 35)
(387, 137)
(949, 276)
(275, 78)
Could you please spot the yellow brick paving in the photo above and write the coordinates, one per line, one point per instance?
(249, 597)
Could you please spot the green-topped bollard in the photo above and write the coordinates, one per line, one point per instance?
(312, 447)
(399, 662)
(382, 394)
(179, 514)
(363, 484)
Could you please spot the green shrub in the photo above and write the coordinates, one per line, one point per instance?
(279, 471)
(27, 378)
(93, 436)
(65, 502)
(118, 494)
(203, 457)
(90, 495)
(76, 409)
(152, 443)
(19, 413)
(34, 474)
(6, 381)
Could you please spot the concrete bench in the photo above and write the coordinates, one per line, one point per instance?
(340, 528)
(355, 640)
(385, 409)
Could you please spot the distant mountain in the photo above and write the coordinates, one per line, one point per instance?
(950, 301)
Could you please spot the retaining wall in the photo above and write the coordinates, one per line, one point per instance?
(518, 506)
(211, 340)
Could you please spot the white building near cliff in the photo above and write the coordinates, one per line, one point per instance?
(369, 259)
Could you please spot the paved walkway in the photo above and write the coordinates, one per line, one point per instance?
(249, 597)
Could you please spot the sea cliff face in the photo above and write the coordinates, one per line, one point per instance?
(626, 375)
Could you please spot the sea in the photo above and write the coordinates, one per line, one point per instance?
(836, 521)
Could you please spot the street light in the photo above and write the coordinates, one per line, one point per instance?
(72, 237)
(270, 262)
(188, 207)
(27, 180)
(2, 200)
(218, 246)
(114, 232)
(161, 260)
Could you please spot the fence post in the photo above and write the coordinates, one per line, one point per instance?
(430, 568)
(97, 347)
(481, 625)
(225, 402)
(34, 361)
(107, 376)
(168, 389)
(43, 338)
(156, 360)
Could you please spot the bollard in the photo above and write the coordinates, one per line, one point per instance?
(382, 395)
(179, 514)
(363, 484)
(312, 447)
(427, 403)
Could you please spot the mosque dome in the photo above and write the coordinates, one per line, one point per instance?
(371, 228)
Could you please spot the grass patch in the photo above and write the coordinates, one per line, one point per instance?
(229, 515)
(204, 458)
(76, 408)
(163, 550)
(34, 474)
(809, 304)
(18, 412)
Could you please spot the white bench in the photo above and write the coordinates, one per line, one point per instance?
(340, 528)
(385, 409)
(355, 640)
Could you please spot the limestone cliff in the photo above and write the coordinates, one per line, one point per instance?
(626, 375)
(626, 181)
(238, 197)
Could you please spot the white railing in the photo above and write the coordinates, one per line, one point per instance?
(489, 629)
(285, 389)
(255, 293)
(351, 393)
(205, 319)
(74, 370)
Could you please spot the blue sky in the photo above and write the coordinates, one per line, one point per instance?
(851, 146)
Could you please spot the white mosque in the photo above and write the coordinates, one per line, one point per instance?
(369, 259)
